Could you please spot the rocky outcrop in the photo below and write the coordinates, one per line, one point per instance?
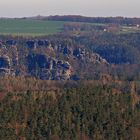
(48, 68)
(4, 65)
(43, 58)
(36, 43)
(4, 61)
(11, 42)
(96, 58)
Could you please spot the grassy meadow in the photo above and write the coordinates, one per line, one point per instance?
(29, 27)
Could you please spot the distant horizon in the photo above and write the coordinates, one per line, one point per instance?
(89, 8)
(68, 15)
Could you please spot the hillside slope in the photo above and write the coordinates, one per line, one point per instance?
(54, 59)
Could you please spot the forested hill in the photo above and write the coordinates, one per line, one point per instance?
(105, 20)
(70, 57)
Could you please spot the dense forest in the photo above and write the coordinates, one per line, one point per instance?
(72, 111)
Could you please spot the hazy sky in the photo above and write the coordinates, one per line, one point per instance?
(20, 8)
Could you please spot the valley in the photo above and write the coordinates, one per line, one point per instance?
(69, 78)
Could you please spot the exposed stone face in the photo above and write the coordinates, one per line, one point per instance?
(42, 59)
(31, 44)
(96, 58)
(11, 42)
(4, 62)
(51, 68)
(37, 43)
(4, 72)
(35, 61)
(41, 42)
(4, 65)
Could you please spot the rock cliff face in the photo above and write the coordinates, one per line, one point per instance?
(43, 58)
(45, 67)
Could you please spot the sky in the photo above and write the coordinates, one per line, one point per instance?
(93, 8)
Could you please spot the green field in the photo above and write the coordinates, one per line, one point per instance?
(29, 27)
